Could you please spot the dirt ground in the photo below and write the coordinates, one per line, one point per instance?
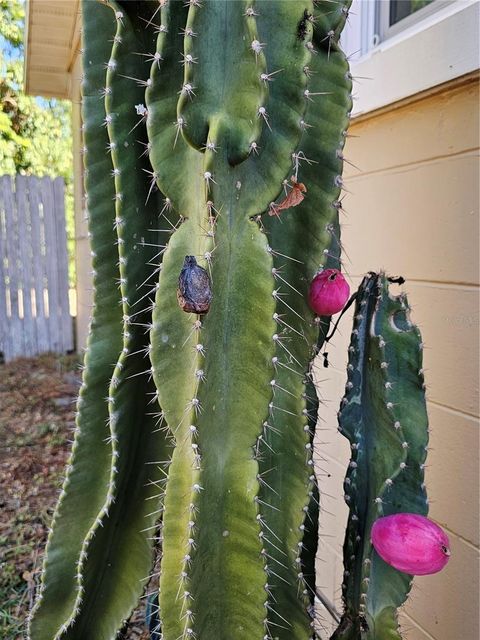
(37, 404)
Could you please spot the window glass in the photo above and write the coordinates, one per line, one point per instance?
(400, 9)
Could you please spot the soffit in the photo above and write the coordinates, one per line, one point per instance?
(51, 44)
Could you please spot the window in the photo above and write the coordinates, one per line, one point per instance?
(398, 48)
(394, 15)
(374, 21)
(400, 9)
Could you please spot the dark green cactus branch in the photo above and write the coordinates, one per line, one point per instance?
(383, 414)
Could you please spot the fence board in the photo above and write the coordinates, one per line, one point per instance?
(25, 266)
(38, 265)
(62, 267)
(52, 276)
(12, 281)
(6, 212)
(3, 267)
(3, 289)
(33, 264)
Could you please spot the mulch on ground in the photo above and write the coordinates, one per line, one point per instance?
(37, 405)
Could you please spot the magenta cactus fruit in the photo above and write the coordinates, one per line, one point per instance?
(411, 543)
(328, 293)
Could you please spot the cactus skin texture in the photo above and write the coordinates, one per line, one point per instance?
(383, 414)
(205, 426)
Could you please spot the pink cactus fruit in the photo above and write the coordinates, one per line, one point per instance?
(328, 293)
(411, 543)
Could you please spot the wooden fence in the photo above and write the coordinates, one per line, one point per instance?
(34, 306)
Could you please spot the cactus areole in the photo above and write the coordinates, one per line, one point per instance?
(196, 431)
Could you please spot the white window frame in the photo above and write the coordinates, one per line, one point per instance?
(383, 15)
(434, 45)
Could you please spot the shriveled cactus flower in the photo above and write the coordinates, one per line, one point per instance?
(411, 543)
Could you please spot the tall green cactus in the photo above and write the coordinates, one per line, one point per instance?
(211, 112)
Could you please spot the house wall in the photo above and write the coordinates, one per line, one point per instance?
(413, 210)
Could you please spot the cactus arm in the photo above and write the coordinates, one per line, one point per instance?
(118, 556)
(383, 414)
(86, 486)
(309, 236)
(176, 361)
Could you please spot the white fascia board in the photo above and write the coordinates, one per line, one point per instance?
(433, 51)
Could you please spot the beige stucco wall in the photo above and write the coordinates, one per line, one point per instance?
(413, 210)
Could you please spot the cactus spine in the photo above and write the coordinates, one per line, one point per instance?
(211, 111)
